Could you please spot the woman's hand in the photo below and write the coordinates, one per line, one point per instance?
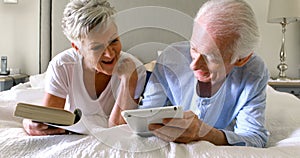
(38, 129)
(126, 69)
(128, 75)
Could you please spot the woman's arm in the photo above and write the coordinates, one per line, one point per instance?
(125, 99)
(54, 101)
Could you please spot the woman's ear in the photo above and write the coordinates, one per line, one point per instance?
(74, 46)
(243, 61)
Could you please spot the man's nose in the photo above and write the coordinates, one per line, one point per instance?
(198, 63)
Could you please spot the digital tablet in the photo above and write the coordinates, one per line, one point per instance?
(139, 119)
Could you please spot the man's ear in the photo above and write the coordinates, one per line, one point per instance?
(74, 46)
(243, 61)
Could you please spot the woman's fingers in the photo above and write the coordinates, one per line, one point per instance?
(37, 125)
(37, 129)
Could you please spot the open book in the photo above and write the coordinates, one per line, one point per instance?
(52, 116)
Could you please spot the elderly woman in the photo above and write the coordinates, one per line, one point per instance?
(94, 75)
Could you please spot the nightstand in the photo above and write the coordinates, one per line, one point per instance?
(292, 86)
(8, 81)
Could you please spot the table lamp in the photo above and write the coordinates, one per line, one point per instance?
(283, 12)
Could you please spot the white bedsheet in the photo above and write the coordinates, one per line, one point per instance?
(282, 121)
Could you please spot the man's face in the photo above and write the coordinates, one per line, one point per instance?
(209, 63)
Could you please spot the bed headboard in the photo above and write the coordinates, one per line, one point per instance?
(144, 26)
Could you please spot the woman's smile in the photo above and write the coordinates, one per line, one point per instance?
(108, 62)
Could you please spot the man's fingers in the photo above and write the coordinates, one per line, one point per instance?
(155, 129)
(181, 130)
(184, 123)
(165, 132)
(179, 123)
(189, 114)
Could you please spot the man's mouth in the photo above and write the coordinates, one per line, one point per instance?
(203, 74)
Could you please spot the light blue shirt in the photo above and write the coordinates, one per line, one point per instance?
(238, 108)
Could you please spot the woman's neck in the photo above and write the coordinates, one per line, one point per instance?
(95, 83)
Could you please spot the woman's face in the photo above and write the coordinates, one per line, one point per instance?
(101, 49)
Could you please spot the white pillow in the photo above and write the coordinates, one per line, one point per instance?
(282, 115)
(37, 81)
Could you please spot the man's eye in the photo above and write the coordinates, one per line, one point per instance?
(195, 50)
(205, 57)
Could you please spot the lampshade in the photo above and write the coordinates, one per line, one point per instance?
(279, 9)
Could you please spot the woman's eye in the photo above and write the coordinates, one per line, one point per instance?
(114, 41)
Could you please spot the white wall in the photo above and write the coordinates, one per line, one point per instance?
(145, 26)
(148, 26)
(59, 41)
(271, 41)
(19, 34)
(19, 31)
(144, 41)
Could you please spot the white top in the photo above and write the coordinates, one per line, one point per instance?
(64, 78)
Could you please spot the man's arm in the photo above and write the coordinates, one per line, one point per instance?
(249, 128)
(250, 122)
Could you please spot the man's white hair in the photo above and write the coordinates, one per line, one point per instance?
(231, 18)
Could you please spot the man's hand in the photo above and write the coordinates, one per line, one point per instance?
(182, 130)
(38, 129)
(186, 130)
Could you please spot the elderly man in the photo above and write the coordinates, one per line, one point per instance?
(216, 77)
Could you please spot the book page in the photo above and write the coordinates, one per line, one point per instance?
(79, 127)
(86, 124)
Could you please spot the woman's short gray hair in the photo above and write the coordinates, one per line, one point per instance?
(80, 16)
(224, 18)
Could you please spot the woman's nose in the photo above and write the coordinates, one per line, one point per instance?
(108, 52)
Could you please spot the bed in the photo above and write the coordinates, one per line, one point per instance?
(282, 120)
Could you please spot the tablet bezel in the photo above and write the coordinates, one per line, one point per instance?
(139, 119)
